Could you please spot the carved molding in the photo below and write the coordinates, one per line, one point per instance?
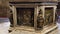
(33, 0)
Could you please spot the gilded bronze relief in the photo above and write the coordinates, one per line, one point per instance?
(48, 16)
(25, 16)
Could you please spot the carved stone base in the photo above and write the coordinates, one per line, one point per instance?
(31, 29)
(48, 29)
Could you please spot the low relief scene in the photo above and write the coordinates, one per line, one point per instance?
(47, 20)
(25, 16)
(48, 16)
